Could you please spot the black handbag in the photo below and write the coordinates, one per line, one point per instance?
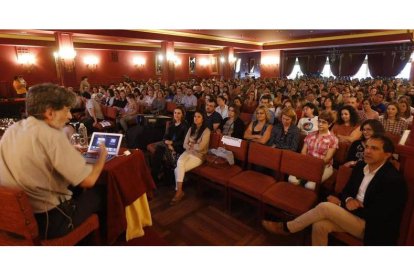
(170, 158)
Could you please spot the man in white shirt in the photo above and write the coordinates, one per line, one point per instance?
(370, 206)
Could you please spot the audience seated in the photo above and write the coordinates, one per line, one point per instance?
(309, 119)
(405, 112)
(196, 144)
(368, 128)
(93, 112)
(158, 104)
(213, 119)
(259, 129)
(346, 127)
(232, 125)
(127, 113)
(171, 147)
(286, 134)
(247, 94)
(392, 121)
(222, 107)
(321, 144)
(367, 112)
(369, 208)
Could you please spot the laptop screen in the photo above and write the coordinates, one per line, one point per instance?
(112, 142)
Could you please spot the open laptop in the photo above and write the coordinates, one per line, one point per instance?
(112, 142)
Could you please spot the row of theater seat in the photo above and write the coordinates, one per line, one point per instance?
(272, 190)
(272, 193)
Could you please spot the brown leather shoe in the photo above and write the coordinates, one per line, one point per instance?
(274, 227)
(176, 199)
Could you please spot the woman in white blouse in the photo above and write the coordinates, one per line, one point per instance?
(222, 108)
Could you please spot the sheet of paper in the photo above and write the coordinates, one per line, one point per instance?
(231, 141)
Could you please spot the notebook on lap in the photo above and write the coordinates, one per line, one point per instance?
(112, 142)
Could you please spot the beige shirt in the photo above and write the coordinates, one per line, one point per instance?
(200, 148)
(94, 107)
(41, 161)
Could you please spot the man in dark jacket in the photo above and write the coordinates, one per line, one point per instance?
(370, 206)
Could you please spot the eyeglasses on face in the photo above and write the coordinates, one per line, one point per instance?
(322, 122)
(260, 113)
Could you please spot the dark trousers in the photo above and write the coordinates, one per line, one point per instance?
(157, 157)
(68, 215)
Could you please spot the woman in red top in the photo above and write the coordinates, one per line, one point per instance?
(346, 127)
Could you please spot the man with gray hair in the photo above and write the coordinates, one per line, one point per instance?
(37, 157)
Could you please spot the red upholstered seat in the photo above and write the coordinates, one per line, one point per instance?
(222, 176)
(110, 113)
(341, 153)
(342, 177)
(219, 176)
(19, 227)
(214, 140)
(252, 183)
(293, 199)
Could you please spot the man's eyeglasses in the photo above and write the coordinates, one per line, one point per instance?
(322, 122)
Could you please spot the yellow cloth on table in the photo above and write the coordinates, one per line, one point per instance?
(138, 216)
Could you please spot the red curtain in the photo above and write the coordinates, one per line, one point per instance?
(346, 64)
(312, 64)
(288, 64)
(388, 63)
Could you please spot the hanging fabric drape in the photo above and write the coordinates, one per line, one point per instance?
(346, 64)
(312, 65)
(288, 65)
(388, 63)
(383, 60)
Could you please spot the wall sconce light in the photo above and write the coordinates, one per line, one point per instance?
(174, 59)
(27, 61)
(204, 62)
(270, 61)
(67, 58)
(222, 59)
(177, 61)
(91, 62)
(138, 62)
(232, 59)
